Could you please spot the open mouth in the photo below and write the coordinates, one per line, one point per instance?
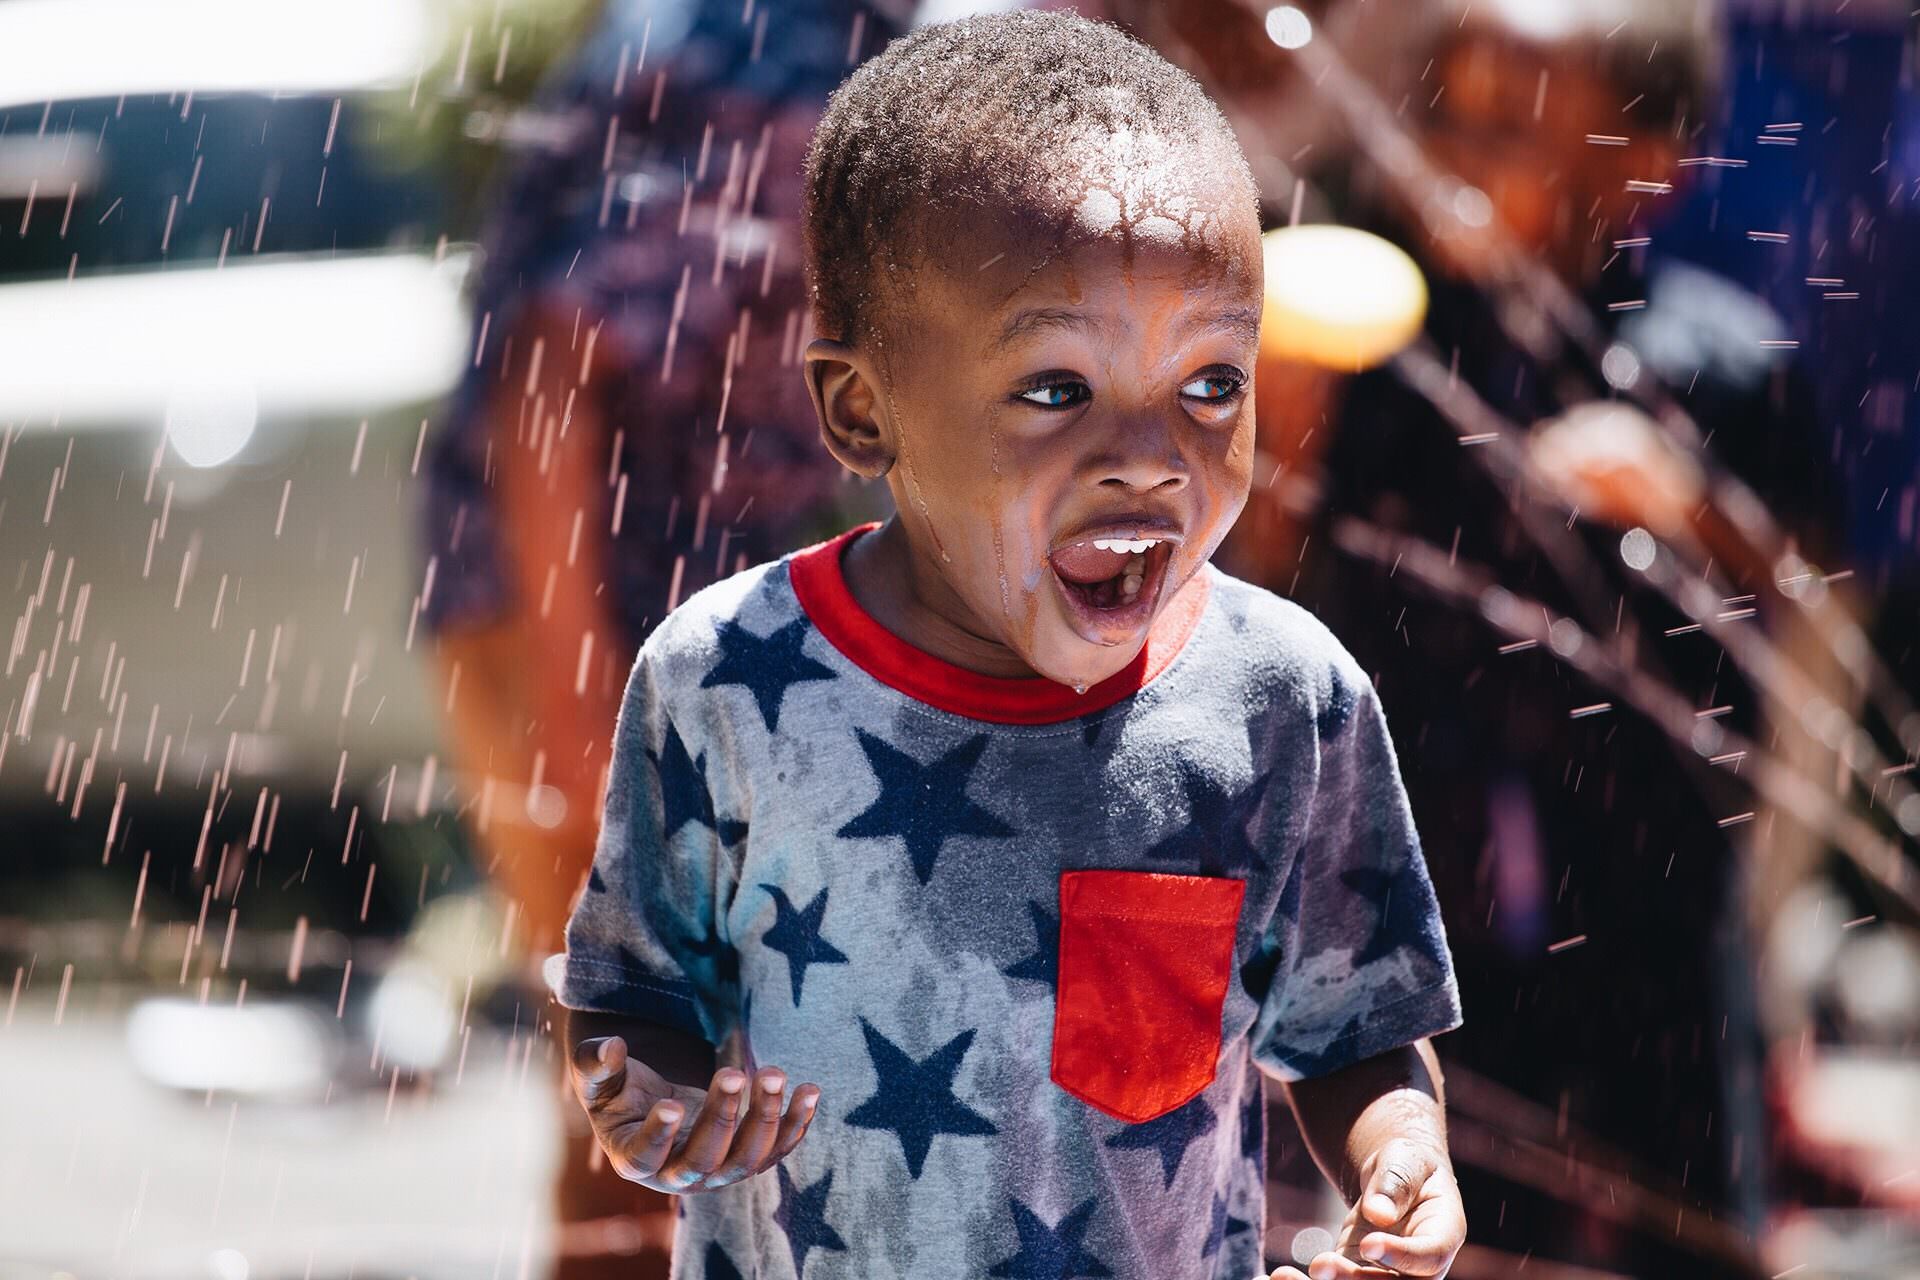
(1112, 585)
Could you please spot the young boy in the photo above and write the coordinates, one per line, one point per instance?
(1021, 835)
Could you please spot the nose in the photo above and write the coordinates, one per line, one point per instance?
(1143, 455)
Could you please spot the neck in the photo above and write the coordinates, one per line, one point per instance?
(909, 598)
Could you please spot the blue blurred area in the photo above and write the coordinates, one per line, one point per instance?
(1844, 192)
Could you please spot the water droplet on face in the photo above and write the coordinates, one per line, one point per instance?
(1079, 686)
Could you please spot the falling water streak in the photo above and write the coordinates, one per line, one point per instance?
(913, 483)
(999, 542)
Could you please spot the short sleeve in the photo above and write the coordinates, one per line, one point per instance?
(1358, 952)
(647, 936)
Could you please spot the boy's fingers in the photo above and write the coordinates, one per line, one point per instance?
(712, 1131)
(759, 1127)
(1286, 1273)
(800, 1113)
(1337, 1266)
(1415, 1255)
(642, 1146)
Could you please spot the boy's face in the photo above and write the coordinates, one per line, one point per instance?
(1041, 390)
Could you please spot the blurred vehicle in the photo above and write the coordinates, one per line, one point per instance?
(227, 310)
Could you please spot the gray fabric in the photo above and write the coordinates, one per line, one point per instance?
(872, 884)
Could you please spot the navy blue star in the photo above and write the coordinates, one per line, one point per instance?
(1216, 831)
(1050, 1253)
(683, 790)
(1170, 1135)
(1221, 1226)
(796, 935)
(765, 665)
(915, 1099)
(720, 1266)
(1043, 964)
(1398, 894)
(726, 960)
(803, 1216)
(924, 805)
(594, 882)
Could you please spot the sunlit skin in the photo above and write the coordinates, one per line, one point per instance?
(1136, 397)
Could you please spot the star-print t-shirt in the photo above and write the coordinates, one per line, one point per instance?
(1034, 946)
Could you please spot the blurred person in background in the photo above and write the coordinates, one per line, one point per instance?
(1567, 121)
(634, 427)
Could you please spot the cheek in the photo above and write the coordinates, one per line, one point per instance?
(1228, 461)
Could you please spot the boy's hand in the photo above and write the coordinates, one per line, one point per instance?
(1411, 1194)
(638, 1117)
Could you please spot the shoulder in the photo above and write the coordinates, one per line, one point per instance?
(685, 646)
(1281, 653)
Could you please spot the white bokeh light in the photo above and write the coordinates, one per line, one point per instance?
(1637, 548)
(210, 421)
(1309, 1243)
(1471, 205)
(1288, 27)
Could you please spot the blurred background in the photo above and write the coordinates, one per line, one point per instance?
(374, 374)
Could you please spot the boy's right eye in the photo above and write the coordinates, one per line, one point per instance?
(1059, 393)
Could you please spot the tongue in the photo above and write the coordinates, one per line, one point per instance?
(1084, 564)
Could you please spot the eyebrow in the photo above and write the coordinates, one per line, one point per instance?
(1036, 319)
(1241, 323)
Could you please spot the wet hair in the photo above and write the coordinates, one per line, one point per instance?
(961, 119)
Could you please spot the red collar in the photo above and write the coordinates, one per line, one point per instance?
(820, 584)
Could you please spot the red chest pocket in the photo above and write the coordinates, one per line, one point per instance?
(1144, 962)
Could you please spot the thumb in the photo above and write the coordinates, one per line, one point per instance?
(600, 1069)
(1398, 1175)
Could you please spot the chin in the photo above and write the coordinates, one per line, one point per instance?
(1068, 658)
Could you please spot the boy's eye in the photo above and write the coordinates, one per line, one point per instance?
(1059, 394)
(1214, 386)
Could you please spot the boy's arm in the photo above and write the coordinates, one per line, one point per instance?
(1377, 1129)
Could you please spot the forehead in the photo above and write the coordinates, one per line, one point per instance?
(1118, 217)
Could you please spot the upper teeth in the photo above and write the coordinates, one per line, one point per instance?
(1121, 545)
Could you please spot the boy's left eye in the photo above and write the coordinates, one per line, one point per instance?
(1214, 386)
(1063, 393)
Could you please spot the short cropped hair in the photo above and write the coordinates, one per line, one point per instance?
(978, 114)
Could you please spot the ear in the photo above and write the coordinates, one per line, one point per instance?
(844, 387)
